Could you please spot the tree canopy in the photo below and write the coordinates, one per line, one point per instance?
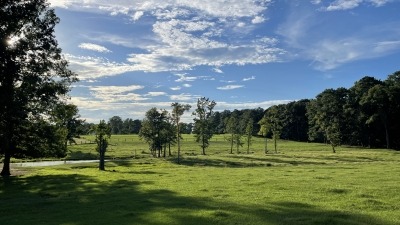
(34, 76)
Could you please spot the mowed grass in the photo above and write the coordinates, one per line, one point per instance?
(303, 183)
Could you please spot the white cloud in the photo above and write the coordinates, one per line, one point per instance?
(184, 78)
(316, 2)
(93, 47)
(249, 105)
(258, 19)
(156, 93)
(117, 93)
(95, 67)
(343, 5)
(249, 78)
(137, 15)
(183, 97)
(176, 88)
(351, 4)
(217, 70)
(185, 34)
(187, 85)
(230, 87)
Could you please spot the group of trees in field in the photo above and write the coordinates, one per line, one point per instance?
(161, 129)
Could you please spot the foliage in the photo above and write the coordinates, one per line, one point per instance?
(156, 130)
(102, 132)
(203, 127)
(177, 111)
(34, 75)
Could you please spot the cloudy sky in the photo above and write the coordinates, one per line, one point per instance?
(132, 55)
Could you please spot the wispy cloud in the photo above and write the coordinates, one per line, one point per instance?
(230, 87)
(185, 78)
(328, 51)
(177, 88)
(351, 4)
(94, 47)
(156, 93)
(183, 97)
(249, 78)
(117, 93)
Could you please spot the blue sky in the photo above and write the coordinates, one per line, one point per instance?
(132, 55)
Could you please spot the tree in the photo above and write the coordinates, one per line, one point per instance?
(357, 114)
(116, 124)
(102, 132)
(377, 100)
(66, 117)
(249, 133)
(203, 122)
(177, 112)
(327, 114)
(273, 117)
(234, 128)
(34, 75)
(264, 129)
(152, 130)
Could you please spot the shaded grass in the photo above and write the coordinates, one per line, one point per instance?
(299, 185)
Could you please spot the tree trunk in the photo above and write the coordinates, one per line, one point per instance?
(204, 148)
(231, 143)
(6, 145)
(102, 153)
(178, 140)
(265, 147)
(6, 166)
(387, 135)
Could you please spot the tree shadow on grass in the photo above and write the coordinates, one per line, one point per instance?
(77, 200)
(79, 155)
(304, 214)
(238, 161)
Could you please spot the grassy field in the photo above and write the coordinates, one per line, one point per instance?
(303, 183)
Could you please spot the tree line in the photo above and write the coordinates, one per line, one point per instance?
(365, 114)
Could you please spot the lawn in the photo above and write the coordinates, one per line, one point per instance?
(303, 183)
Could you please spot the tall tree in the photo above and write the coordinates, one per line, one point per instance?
(249, 133)
(177, 111)
(264, 130)
(34, 75)
(102, 132)
(152, 130)
(274, 119)
(377, 100)
(116, 125)
(203, 122)
(327, 114)
(67, 116)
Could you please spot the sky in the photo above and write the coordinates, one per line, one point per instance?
(133, 55)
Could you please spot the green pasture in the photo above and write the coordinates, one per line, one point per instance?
(304, 183)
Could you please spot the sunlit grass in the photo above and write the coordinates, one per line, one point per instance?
(302, 184)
